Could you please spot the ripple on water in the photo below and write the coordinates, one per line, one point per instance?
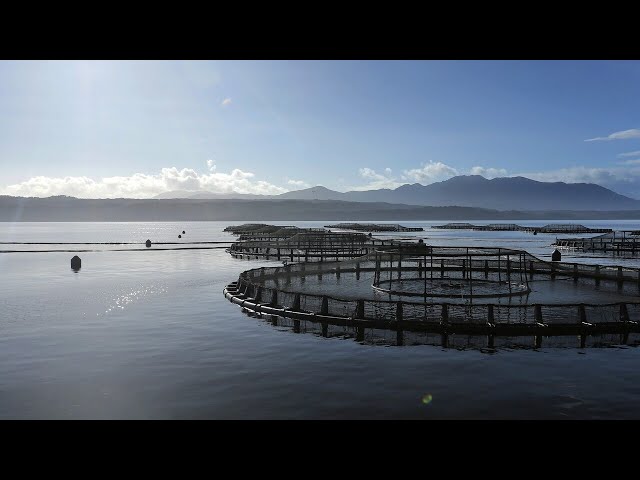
(171, 346)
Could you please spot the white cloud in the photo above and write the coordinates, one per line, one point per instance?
(488, 172)
(226, 102)
(430, 172)
(623, 135)
(634, 161)
(576, 175)
(376, 180)
(630, 154)
(623, 178)
(141, 185)
(427, 173)
(370, 174)
(298, 183)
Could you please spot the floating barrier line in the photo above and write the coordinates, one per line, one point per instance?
(111, 243)
(114, 250)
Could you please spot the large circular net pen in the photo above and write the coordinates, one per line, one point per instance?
(421, 290)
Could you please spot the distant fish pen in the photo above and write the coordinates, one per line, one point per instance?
(308, 246)
(566, 228)
(507, 227)
(614, 243)
(448, 296)
(512, 227)
(455, 226)
(251, 228)
(373, 227)
(266, 235)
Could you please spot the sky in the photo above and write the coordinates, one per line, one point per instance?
(106, 129)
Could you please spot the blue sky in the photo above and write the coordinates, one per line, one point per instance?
(135, 129)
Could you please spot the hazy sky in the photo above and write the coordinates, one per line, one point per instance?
(136, 129)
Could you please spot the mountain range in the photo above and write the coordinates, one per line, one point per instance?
(505, 193)
(70, 209)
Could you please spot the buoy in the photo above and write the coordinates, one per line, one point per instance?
(76, 263)
(535, 232)
(148, 243)
(183, 232)
(556, 256)
(179, 236)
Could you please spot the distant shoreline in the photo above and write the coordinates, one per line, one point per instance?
(69, 209)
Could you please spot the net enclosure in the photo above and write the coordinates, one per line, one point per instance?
(622, 242)
(414, 289)
(306, 245)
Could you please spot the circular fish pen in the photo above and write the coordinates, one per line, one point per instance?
(466, 273)
(307, 246)
(419, 294)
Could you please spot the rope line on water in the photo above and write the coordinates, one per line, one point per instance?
(114, 250)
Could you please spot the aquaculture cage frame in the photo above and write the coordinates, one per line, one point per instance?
(614, 243)
(310, 246)
(435, 268)
(421, 314)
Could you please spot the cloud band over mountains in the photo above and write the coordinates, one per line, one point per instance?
(623, 178)
(142, 185)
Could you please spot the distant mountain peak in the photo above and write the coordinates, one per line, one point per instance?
(318, 192)
(468, 178)
(500, 193)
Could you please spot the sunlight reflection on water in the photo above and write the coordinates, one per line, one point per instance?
(149, 335)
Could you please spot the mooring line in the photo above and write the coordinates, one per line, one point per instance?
(114, 250)
(110, 243)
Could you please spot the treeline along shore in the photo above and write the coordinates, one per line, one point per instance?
(70, 209)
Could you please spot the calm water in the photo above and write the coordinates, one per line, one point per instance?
(148, 334)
